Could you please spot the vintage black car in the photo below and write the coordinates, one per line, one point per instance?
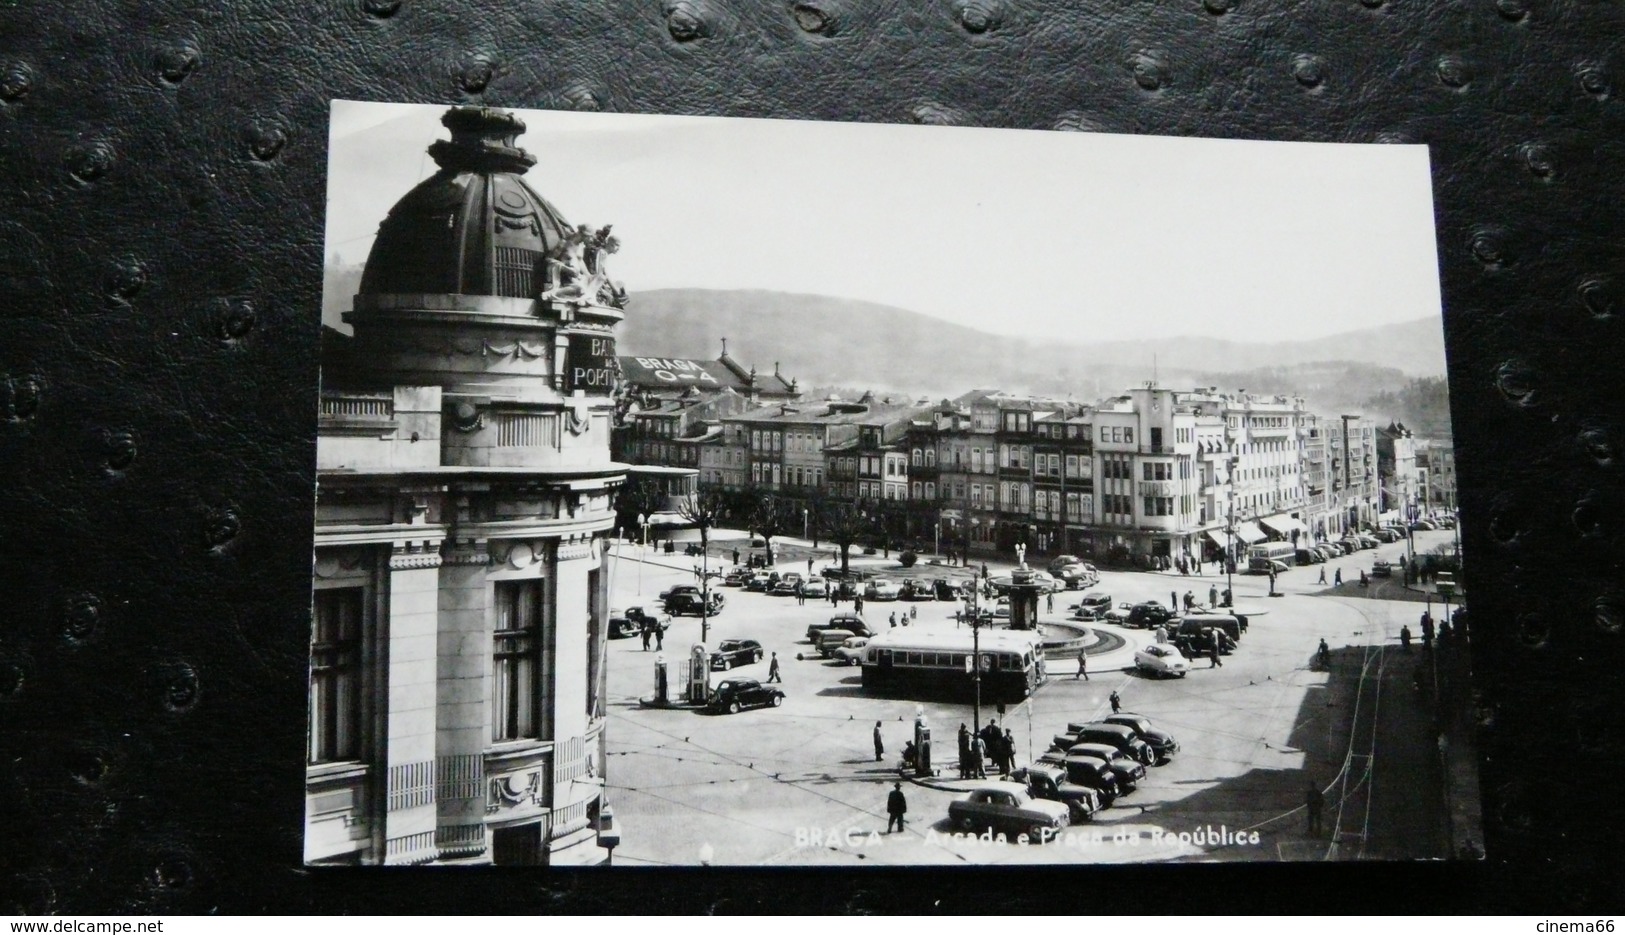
(690, 603)
(1161, 742)
(730, 653)
(732, 695)
(945, 590)
(1082, 771)
(1148, 615)
(623, 625)
(1125, 768)
(1112, 735)
(1049, 782)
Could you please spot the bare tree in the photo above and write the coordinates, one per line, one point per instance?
(638, 497)
(704, 510)
(769, 516)
(843, 522)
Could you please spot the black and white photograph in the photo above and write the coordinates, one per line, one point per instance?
(704, 491)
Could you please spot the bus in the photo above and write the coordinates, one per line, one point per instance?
(916, 661)
(1259, 556)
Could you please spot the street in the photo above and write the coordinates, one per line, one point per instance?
(799, 784)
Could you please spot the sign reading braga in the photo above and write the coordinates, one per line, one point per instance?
(591, 364)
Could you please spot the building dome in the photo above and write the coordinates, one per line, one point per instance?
(474, 227)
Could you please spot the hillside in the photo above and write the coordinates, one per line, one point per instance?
(828, 341)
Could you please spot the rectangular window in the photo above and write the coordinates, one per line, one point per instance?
(595, 637)
(517, 670)
(335, 676)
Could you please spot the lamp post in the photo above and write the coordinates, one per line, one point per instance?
(975, 660)
(643, 552)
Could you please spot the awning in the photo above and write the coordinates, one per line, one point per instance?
(1285, 525)
(668, 519)
(1249, 533)
(1217, 538)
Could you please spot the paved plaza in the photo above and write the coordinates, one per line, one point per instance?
(799, 784)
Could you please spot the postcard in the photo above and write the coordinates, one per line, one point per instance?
(735, 492)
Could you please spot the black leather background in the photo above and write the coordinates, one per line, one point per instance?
(160, 271)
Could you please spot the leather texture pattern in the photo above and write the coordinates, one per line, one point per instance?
(160, 276)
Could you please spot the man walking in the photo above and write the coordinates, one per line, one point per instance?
(645, 634)
(1049, 602)
(1083, 666)
(880, 748)
(809, 566)
(1313, 803)
(1322, 575)
(1213, 649)
(1117, 702)
(660, 636)
(1337, 578)
(896, 808)
(1008, 762)
(1213, 595)
(978, 754)
(773, 670)
(1173, 600)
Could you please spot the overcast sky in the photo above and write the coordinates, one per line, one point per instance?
(1009, 231)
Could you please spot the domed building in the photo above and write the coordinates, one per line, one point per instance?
(465, 490)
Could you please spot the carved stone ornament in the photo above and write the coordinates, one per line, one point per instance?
(515, 789)
(578, 419)
(467, 417)
(334, 563)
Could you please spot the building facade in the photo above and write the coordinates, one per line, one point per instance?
(464, 494)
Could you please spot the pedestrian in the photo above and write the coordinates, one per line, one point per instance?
(1213, 649)
(1322, 575)
(660, 636)
(880, 747)
(1213, 595)
(809, 565)
(1173, 600)
(964, 751)
(736, 556)
(773, 669)
(1049, 602)
(1083, 666)
(1313, 803)
(857, 603)
(1162, 634)
(1117, 702)
(1405, 637)
(801, 595)
(894, 619)
(644, 628)
(896, 808)
(978, 752)
(1337, 578)
(1272, 581)
(1009, 750)
(914, 613)
(1190, 601)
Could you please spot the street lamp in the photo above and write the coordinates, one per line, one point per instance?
(643, 553)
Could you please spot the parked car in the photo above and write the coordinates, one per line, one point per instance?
(1127, 770)
(1309, 557)
(945, 590)
(1049, 782)
(760, 581)
(731, 695)
(1326, 552)
(1008, 808)
(735, 577)
(630, 622)
(881, 589)
(1381, 569)
(828, 641)
(1162, 659)
(1116, 736)
(1060, 563)
(1161, 742)
(783, 588)
(1263, 566)
(850, 622)
(691, 604)
(1092, 606)
(917, 591)
(851, 649)
(1078, 577)
(1001, 609)
(1047, 583)
(730, 653)
(1423, 525)
(1089, 773)
(1385, 535)
(815, 587)
(1196, 636)
(1148, 615)
(1118, 614)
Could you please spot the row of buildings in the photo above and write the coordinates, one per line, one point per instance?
(1153, 473)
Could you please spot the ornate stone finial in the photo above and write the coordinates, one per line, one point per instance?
(483, 139)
